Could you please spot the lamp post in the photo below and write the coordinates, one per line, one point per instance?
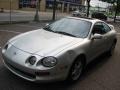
(36, 18)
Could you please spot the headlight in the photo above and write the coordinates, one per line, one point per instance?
(6, 47)
(49, 61)
(31, 60)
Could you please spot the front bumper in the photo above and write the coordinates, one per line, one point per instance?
(43, 76)
(16, 64)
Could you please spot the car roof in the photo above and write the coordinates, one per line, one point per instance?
(92, 20)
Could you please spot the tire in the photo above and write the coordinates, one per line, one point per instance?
(111, 50)
(76, 70)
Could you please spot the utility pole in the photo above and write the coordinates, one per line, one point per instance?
(54, 10)
(10, 11)
(36, 18)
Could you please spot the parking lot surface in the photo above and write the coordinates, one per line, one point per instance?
(101, 74)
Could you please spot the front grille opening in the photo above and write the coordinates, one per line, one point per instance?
(25, 74)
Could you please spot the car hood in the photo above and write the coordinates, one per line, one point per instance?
(42, 42)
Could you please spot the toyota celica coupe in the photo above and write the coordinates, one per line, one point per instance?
(60, 50)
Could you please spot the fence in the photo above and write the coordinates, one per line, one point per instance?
(40, 10)
(28, 10)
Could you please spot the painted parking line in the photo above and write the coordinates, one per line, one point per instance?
(10, 31)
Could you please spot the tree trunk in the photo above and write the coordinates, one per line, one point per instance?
(88, 7)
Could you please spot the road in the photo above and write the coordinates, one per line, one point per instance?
(28, 15)
(101, 74)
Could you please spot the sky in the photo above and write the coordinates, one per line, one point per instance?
(98, 3)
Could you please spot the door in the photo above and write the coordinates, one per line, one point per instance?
(97, 46)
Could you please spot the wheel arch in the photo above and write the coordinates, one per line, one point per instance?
(77, 57)
(82, 55)
(115, 40)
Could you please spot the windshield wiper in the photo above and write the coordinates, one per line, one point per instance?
(48, 29)
(60, 32)
(65, 33)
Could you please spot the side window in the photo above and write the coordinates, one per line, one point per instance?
(106, 27)
(98, 28)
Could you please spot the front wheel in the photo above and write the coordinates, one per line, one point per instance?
(76, 70)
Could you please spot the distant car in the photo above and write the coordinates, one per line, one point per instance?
(78, 13)
(60, 50)
(117, 17)
(99, 15)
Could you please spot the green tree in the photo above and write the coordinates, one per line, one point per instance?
(116, 4)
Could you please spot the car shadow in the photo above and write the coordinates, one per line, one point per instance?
(94, 65)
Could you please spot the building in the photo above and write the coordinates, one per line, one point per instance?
(7, 3)
(65, 5)
(62, 5)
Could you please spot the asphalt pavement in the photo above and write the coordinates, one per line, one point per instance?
(26, 16)
(101, 74)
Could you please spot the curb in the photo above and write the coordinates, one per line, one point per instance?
(13, 22)
(16, 22)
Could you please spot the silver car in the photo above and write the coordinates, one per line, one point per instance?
(79, 13)
(60, 50)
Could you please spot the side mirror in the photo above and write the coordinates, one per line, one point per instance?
(111, 26)
(97, 36)
(46, 24)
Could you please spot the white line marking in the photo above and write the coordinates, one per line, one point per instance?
(10, 31)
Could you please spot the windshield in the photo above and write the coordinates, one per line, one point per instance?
(71, 27)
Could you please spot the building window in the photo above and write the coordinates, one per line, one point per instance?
(27, 3)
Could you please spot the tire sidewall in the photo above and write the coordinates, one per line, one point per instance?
(69, 78)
